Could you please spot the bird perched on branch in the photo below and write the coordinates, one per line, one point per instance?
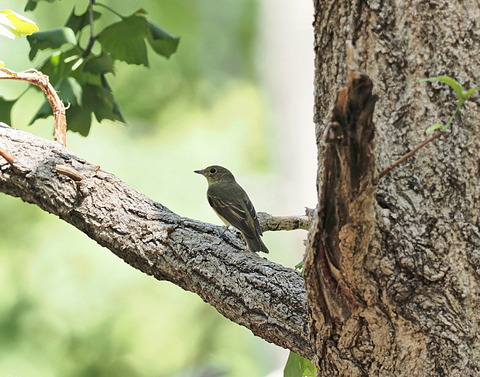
(232, 204)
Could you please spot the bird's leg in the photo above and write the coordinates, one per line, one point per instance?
(234, 238)
(228, 228)
(225, 229)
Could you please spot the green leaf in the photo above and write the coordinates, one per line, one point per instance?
(163, 42)
(77, 23)
(6, 27)
(6, 110)
(455, 85)
(50, 39)
(65, 64)
(16, 24)
(462, 94)
(298, 366)
(61, 65)
(55, 67)
(43, 112)
(467, 94)
(435, 127)
(100, 64)
(124, 40)
(79, 119)
(69, 91)
(100, 101)
(83, 100)
(32, 4)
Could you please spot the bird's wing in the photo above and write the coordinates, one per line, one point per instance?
(236, 214)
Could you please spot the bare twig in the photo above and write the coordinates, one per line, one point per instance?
(272, 223)
(74, 174)
(39, 79)
(405, 157)
(69, 172)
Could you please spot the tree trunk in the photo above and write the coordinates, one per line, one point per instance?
(402, 300)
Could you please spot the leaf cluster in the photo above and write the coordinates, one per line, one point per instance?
(78, 69)
(462, 96)
(298, 366)
(13, 25)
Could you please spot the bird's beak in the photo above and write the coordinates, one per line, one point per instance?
(199, 172)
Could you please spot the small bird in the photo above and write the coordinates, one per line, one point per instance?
(231, 203)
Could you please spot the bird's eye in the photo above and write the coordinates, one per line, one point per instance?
(213, 170)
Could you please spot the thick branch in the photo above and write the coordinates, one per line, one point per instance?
(265, 297)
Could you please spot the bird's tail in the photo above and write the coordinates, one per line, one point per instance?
(255, 244)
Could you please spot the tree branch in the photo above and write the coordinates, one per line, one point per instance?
(39, 79)
(273, 223)
(265, 297)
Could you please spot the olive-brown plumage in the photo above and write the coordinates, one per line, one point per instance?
(232, 204)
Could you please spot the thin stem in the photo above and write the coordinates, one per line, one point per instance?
(450, 120)
(110, 9)
(7, 156)
(408, 155)
(58, 108)
(92, 39)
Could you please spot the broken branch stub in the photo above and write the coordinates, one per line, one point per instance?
(344, 222)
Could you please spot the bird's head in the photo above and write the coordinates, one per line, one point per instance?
(215, 173)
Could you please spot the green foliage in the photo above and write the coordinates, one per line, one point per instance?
(299, 265)
(6, 110)
(58, 289)
(462, 96)
(77, 23)
(14, 25)
(32, 4)
(131, 47)
(298, 366)
(162, 42)
(79, 74)
(54, 39)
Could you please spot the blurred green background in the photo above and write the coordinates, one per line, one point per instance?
(237, 93)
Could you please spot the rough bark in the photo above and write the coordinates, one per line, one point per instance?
(265, 297)
(420, 276)
(415, 283)
(342, 230)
